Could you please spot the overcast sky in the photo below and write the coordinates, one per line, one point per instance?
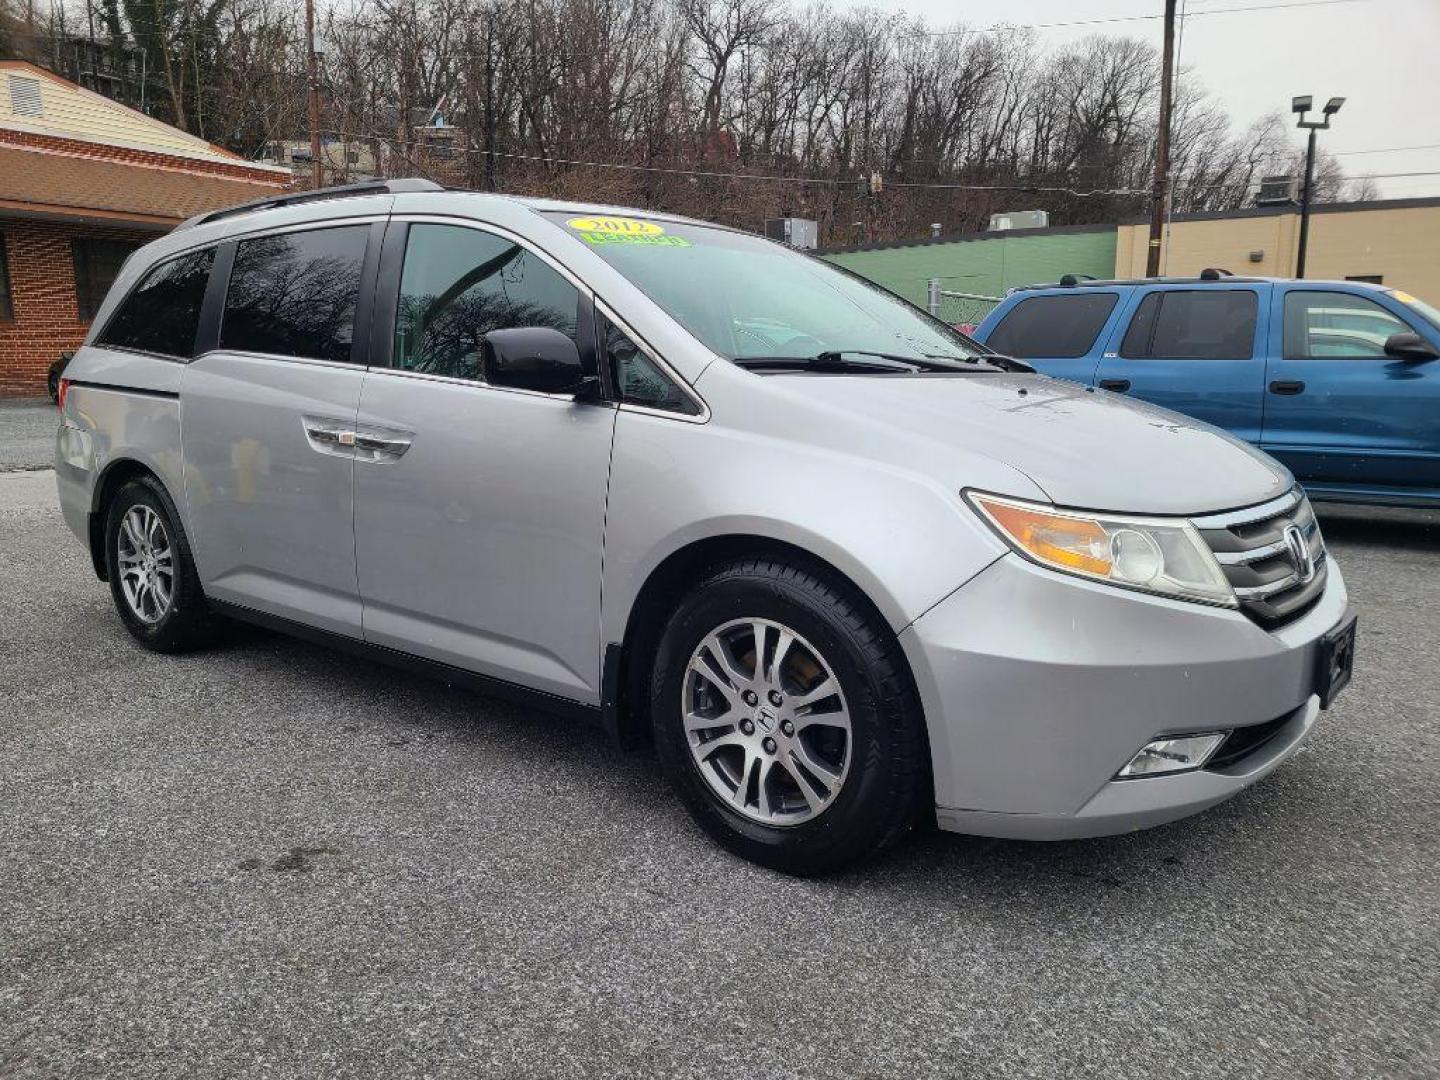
(1382, 56)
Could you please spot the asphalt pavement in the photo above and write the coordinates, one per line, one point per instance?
(271, 860)
(27, 434)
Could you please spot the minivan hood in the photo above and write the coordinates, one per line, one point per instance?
(1083, 448)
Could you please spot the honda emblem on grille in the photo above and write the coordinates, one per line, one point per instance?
(1299, 552)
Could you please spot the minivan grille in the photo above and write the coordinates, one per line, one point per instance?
(1272, 555)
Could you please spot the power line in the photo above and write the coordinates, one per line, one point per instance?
(1008, 28)
(830, 181)
(1384, 150)
(718, 175)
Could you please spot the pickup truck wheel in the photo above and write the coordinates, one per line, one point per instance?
(785, 719)
(152, 575)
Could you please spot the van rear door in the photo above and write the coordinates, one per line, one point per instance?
(1196, 349)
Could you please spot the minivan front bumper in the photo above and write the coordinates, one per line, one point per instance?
(1038, 687)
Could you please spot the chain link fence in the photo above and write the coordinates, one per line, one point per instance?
(962, 309)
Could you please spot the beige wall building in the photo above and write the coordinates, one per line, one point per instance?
(1395, 242)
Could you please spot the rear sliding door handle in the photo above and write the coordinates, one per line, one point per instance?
(382, 445)
(1118, 385)
(388, 446)
(1287, 387)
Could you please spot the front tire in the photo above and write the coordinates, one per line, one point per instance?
(152, 574)
(785, 718)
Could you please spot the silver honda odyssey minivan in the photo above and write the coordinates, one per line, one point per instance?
(846, 570)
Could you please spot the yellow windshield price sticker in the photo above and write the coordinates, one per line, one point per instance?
(623, 230)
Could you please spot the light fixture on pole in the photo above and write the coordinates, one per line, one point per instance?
(1301, 106)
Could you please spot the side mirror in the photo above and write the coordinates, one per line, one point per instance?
(1410, 347)
(534, 358)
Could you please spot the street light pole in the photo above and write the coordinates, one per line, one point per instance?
(1305, 205)
(1301, 106)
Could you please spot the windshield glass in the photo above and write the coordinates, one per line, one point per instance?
(1427, 310)
(747, 298)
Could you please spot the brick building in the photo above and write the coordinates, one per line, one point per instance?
(83, 182)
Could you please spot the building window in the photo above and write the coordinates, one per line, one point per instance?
(97, 263)
(1373, 279)
(7, 302)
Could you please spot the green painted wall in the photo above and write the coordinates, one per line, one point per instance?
(990, 265)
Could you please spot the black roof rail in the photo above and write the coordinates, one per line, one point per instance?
(341, 191)
(1079, 281)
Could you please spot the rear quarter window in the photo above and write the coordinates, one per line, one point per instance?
(1057, 327)
(163, 312)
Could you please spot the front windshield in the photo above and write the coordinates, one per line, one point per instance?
(748, 298)
(1428, 310)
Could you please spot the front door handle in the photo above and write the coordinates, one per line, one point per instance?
(1287, 387)
(329, 436)
(1118, 385)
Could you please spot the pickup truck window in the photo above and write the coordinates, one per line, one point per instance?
(1193, 324)
(1053, 327)
(1334, 324)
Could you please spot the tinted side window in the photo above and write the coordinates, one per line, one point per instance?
(163, 312)
(1194, 324)
(1060, 327)
(459, 284)
(294, 294)
(638, 379)
(1142, 324)
(1319, 324)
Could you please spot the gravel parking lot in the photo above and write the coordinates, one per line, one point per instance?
(273, 860)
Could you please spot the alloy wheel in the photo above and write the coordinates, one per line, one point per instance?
(766, 721)
(146, 563)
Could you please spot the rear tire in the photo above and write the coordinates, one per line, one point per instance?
(152, 574)
(810, 760)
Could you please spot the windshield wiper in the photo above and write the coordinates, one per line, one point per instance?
(928, 362)
(827, 361)
(874, 360)
(1006, 363)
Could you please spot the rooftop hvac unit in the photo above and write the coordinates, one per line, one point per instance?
(797, 232)
(1020, 219)
(1277, 191)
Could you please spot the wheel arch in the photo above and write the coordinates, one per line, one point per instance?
(113, 477)
(627, 662)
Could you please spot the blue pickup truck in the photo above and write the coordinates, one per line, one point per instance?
(1337, 379)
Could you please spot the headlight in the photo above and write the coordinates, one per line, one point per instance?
(1156, 555)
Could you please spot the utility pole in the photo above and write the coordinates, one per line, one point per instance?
(1300, 106)
(489, 100)
(1162, 146)
(314, 73)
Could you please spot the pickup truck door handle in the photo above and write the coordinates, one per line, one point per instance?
(1118, 385)
(1287, 386)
